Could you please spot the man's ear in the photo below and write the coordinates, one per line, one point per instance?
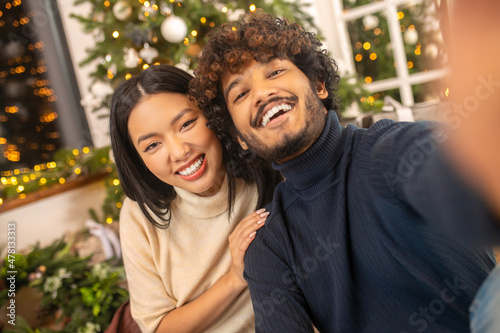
(239, 139)
(242, 143)
(321, 89)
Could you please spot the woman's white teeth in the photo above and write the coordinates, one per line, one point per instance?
(273, 111)
(193, 168)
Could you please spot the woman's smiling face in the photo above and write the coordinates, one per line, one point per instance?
(170, 134)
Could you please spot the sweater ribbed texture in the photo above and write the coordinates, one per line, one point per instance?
(352, 249)
(167, 268)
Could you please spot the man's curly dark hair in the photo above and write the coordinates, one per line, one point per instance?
(257, 36)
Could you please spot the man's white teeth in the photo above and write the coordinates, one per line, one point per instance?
(273, 111)
(193, 168)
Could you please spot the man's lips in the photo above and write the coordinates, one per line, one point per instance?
(269, 105)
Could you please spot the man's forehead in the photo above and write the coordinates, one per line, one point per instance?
(255, 61)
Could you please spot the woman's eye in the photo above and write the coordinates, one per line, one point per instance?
(187, 123)
(151, 146)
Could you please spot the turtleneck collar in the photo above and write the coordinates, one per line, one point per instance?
(311, 166)
(203, 207)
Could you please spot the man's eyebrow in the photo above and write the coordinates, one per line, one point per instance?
(231, 86)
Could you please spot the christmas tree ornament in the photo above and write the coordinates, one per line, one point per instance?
(137, 35)
(112, 69)
(131, 58)
(410, 36)
(99, 37)
(193, 50)
(234, 15)
(370, 22)
(174, 29)
(148, 53)
(431, 50)
(13, 49)
(98, 17)
(165, 8)
(147, 12)
(122, 10)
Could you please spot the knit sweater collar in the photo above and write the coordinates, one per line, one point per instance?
(311, 166)
(204, 207)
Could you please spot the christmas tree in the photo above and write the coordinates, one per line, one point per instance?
(131, 35)
(29, 131)
(423, 42)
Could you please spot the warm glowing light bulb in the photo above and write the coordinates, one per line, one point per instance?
(116, 34)
(252, 8)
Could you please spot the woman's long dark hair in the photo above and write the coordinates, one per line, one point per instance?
(140, 184)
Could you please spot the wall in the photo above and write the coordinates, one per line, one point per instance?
(78, 41)
(48, 219)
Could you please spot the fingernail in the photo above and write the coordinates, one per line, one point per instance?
(264, 214)
(262, 210)
(252, 234)
(261, 221)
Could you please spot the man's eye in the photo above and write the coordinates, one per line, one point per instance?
(152, 146)
(276, 72)
(240, 95)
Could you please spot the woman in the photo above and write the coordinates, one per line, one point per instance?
(186, 194)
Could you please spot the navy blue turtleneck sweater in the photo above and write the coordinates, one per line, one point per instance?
(358, 237)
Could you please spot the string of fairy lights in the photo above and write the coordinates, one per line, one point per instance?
(69, 165)
(27, 116)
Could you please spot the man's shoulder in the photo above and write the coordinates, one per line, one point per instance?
(271, 237)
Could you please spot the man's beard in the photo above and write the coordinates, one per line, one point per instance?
(291, 145)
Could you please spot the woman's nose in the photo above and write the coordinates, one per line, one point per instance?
(178, 149)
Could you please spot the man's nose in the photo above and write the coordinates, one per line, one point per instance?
(262, 91)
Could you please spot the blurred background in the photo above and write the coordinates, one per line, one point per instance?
(59, 65)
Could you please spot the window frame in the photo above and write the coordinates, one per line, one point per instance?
(404, 81)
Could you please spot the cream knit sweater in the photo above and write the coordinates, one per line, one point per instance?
(167, 268)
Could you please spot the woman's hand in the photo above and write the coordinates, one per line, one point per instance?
(240, 239)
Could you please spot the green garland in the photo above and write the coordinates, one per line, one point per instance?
(82, 295)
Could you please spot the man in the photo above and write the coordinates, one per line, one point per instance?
(357, 237)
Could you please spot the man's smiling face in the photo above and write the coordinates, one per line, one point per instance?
(277, 112)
